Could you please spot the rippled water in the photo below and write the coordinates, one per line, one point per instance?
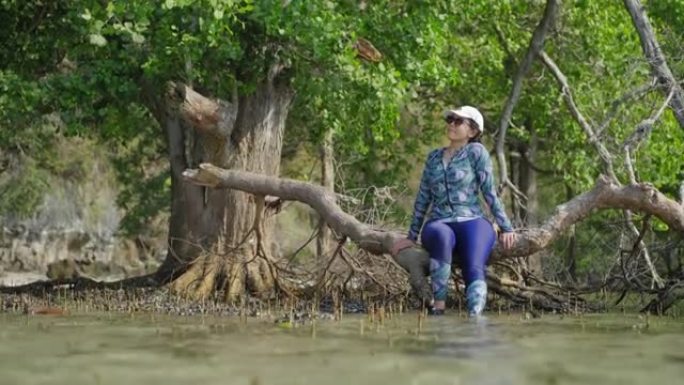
(147, 349)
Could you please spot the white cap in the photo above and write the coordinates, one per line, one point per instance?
(470, 113)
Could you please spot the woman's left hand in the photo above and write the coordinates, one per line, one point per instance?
(508, 239)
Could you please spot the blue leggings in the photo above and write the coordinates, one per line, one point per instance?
(472, 241)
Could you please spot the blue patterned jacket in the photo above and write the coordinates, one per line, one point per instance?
(453, 191)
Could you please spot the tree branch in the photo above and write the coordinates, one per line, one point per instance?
(640, 245)
(605, 195)
(206, 115)
(319, 198)
(642, 131)
(536, 168)
(536, 45)
(575, 112)
(637, 92)
(656, 58)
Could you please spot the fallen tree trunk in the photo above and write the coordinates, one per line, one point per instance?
(605, 195)
(641, 197)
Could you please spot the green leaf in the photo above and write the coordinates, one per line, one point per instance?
(137, 38)
(97, 39)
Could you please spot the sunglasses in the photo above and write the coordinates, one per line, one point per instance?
(456, 120)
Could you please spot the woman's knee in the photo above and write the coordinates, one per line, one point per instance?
(483, 230)
(438, 235)
(475, 246)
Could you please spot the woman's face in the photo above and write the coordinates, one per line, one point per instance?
(459, 129)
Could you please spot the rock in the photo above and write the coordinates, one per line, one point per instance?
(64, 269)
(76, 240)
(11, 278)
(22, 250)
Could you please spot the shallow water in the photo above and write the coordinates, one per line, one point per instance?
(152, 349)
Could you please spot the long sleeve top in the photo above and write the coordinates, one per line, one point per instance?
(451, 191)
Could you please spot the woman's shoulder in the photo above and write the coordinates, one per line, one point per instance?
(434, 154)
(477, 149)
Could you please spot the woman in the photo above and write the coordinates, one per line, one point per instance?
(452, 179)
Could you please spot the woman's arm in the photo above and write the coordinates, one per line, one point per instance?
(423, 200)
(485, 178)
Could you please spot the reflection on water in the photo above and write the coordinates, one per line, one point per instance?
(149, 349)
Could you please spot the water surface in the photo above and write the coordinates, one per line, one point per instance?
(153, 349)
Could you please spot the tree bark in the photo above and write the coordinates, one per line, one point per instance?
(571, 256)
(215, 235)
(328, 182)
(656, 59)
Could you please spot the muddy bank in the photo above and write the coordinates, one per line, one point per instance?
(160, 301)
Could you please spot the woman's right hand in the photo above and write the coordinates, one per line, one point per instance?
(508, 239)
(400, 245)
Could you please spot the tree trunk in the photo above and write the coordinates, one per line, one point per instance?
(218, 238)
(514, 176)
(571, 256)
(528, 185)
(328, 182)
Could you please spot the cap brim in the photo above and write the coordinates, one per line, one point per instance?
(461, 115)
(456, 113)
